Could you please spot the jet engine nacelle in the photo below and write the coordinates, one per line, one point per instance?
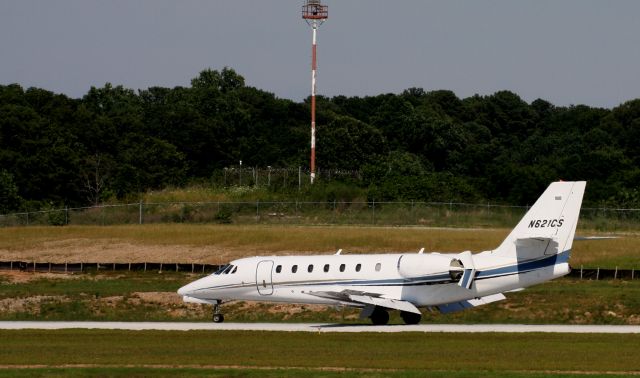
(411, 266)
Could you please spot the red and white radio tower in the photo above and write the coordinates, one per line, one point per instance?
(314, 13)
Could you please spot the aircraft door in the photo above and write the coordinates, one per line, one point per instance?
(263, 277)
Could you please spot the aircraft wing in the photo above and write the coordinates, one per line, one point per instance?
(462, 305)
(385, 302)
(188, 299)
(367, 299)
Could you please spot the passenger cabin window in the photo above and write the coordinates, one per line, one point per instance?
(378, 267)
(310, 268)
(294, 269)
(278, 268)
(358, 267)
(326, 268)
(342, 267)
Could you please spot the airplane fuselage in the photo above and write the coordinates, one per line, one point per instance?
(301, 279)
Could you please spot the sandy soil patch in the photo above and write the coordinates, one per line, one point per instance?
(105, 251)
(17, 277)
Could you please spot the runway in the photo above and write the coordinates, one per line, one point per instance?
(318, 327)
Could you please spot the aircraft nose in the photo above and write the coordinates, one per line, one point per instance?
(185, 290)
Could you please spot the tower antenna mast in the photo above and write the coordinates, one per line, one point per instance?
(315, 14)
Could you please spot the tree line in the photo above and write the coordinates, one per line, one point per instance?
(416, 145)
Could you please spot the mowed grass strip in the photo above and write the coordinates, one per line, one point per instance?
(258, 237)
(224, 371)
(408, 351)
(249, 240)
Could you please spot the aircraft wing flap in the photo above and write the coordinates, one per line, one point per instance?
(365, 298)
(462, 305)
(386, 302)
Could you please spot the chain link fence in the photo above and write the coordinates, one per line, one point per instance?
(432, 214)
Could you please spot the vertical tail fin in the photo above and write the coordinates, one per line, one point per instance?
(549, 226)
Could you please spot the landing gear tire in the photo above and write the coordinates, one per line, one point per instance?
(379, 316)
(410, 317)
(218, 318)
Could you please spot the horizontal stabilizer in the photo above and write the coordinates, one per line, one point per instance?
(581, 238)
(463, 305)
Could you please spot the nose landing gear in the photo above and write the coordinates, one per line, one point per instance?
(217, 317)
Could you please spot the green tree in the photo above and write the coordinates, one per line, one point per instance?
(9, 198)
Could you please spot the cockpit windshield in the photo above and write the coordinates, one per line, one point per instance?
(221, 269)
(226, 269)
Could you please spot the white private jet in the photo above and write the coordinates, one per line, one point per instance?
(537, 250)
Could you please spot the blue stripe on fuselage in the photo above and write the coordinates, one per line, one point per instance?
(440, 278)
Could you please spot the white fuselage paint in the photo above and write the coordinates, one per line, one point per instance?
(248, 283)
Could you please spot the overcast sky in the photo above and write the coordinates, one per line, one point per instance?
(564, 51)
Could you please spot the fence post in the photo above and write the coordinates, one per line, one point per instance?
(27, 218)
(615, 274)
(66, 215)
(257, 210)
(333, 215)
(581, 267)
(632, 271)
(598, 274)
(374, 211)
(140, 213)
(413, 213)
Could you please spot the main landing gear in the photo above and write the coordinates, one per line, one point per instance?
(217, 315)
(380, 316)
(410, 317)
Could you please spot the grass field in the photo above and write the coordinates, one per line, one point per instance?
(288, 372)
(235, 353)
(151, 296)
(221, 243)
(138, 296)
